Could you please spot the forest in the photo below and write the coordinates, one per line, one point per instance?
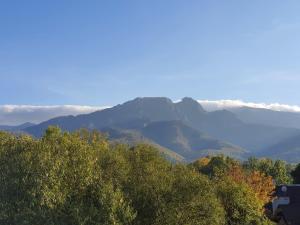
(80, 178)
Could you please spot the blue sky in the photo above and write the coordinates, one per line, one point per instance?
(106, 52)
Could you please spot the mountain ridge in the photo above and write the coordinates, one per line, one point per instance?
(222, 125)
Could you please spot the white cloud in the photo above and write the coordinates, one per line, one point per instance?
(212, 105)
(18, 114)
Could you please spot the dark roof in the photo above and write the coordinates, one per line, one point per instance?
(290, 212)
(292, 191)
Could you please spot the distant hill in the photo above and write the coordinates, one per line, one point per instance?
(141, 114)
(268, 117)
(133, 137)
(17, 127)
(288, 150)
(253, 137)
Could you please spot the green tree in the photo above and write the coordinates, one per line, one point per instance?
(278, 170)
(215, 166)
(243, 192)
(240, 204)
(80, 178)
(296, 174)
(191, 201)
(149, 180)
(57, 180)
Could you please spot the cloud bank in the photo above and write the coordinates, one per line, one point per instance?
(210, 105)
(18, 114)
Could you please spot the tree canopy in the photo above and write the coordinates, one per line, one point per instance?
(81, 178)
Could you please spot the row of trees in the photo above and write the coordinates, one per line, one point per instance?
(80, 178)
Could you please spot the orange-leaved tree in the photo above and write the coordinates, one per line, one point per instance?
(261, 184)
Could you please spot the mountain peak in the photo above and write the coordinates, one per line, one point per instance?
(149, 103)
(188, 99)
(190, 103)
(151, 99)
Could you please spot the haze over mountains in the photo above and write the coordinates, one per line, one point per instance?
(13, 115)
(185, 131)
(268, 117)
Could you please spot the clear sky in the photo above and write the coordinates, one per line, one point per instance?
(97, 52)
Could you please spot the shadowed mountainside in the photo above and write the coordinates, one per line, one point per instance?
(187, 141)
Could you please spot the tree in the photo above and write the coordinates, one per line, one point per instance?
(149, 180)
(278, 170)
(240, 204)
(81, 178)
(57, 180)
(261, 184)
(296, 174)
(191, 200)
(215, 166)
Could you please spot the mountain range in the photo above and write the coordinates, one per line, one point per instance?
(185, 131)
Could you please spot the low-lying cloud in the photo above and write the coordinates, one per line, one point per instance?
(211, 105)
(18, 114)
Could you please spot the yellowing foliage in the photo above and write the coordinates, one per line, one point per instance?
(261, 184)
(202, 161)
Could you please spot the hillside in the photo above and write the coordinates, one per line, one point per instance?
(288, 150)
(187, 141)
(134, 137)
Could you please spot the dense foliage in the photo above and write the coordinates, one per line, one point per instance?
(279, 170)
(80, 178)
(296, 174)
